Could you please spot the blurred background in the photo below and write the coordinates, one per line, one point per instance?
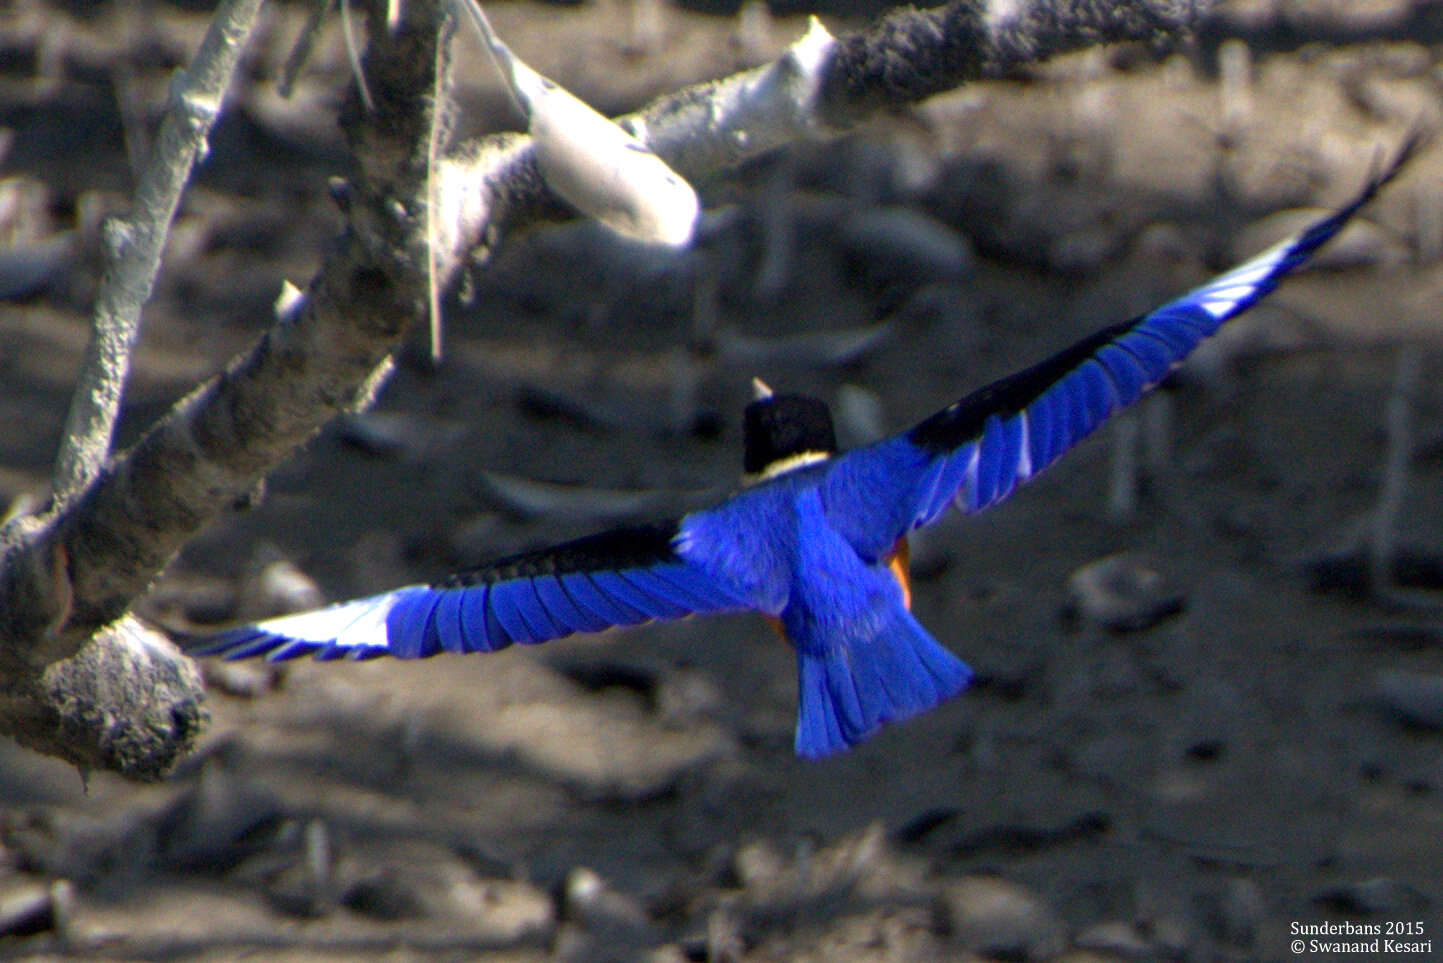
(1200, 716)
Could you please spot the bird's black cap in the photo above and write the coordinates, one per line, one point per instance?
(777, 427)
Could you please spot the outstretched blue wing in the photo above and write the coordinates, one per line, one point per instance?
(621, 577)
(976, 451)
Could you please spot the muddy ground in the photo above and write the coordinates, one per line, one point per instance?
(1191, 789)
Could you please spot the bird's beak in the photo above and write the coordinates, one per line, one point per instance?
(761, 391)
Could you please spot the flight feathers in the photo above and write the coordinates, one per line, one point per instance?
(848, 692)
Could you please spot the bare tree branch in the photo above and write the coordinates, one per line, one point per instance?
(134, 242)
(915, 54)
(128, 702)
(67, 576)
(821, 86)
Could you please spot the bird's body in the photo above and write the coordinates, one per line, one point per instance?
(816, 541)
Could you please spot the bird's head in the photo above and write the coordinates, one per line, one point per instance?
(782, 432)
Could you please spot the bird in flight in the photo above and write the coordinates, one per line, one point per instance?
(815, 539)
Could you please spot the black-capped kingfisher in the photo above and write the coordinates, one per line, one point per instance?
(815, 539)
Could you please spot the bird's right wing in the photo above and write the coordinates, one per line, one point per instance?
(616, 578)
(975, 452)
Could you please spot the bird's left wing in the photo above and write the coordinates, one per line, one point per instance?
(620, 577)
(975, 452)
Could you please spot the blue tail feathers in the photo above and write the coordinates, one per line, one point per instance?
(846, 693)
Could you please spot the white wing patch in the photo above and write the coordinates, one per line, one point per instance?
(360, 624)
(1024, 455)
(966, 496)
(1222, 297)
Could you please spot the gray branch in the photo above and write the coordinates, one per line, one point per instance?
(915, 54)
(128, 702)
(75, 573)
(134, 242)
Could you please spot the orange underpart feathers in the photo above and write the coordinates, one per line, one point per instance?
(898, 562)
